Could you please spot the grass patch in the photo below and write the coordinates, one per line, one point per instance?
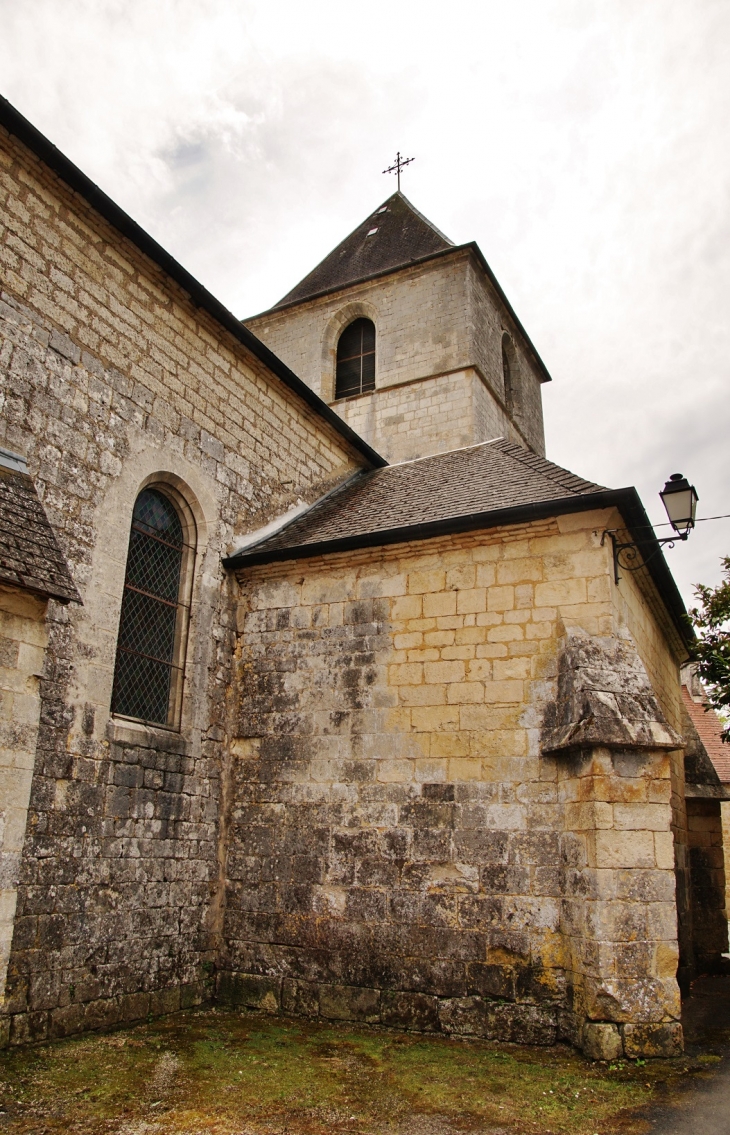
(219, 1072)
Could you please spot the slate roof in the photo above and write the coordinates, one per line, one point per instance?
(29, 553)
(709, 728)
(393, 236)
(452, 491)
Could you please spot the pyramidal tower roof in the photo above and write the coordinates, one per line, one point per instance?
(393, 236)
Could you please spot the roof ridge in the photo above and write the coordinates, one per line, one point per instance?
(444, 452)
(418, 213)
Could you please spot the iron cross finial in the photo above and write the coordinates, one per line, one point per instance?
(398, 165)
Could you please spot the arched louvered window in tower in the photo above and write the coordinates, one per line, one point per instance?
(149, 670)
(356, 359)
(508, 374)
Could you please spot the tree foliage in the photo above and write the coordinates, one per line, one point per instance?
(711, 619)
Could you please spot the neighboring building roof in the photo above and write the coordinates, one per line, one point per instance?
(709, 729)
(409, 500)
(393, 236)
(14, 122)
(30, 557)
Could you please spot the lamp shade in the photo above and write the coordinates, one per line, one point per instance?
(680, 500)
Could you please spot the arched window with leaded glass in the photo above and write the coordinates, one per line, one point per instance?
(356, 359)
(153, 627)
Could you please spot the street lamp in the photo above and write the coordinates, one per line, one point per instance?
(680, 501)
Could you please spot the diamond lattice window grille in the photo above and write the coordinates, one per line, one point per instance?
(150, 646)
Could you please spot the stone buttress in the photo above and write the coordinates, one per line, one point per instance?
(619, 913)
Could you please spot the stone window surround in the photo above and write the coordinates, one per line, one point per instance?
(185, 591)
(126, 731)
(103, 594)
(358, 309)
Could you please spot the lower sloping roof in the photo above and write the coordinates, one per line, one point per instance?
(30, 557)
(416, 498)
(483, 486)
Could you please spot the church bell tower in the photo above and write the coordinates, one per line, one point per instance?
(410, 339)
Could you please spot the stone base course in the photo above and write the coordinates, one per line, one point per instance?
(104, 1013)
(460, 1016)
(396, 1009)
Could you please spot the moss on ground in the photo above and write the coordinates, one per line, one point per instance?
(214, 1072)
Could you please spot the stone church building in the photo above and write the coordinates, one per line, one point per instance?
(319, 693)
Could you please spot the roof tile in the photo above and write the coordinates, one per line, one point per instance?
(709, 727)
(483, 478)
(393, 236)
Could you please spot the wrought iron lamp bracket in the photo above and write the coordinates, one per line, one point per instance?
(627, 555)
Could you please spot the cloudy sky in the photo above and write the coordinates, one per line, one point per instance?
(583, 144)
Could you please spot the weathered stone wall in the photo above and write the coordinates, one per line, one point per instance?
(488, 324)
(22, 646)
(707, 881)
(111, 379)
(421, 319)
(396, 842)
(662, 652)
(401, 848)
(430, 416)
(661, 649)
(440, 321)
(619, 912)
(725, 819)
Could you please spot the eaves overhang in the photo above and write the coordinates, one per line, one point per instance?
(471, 247)
(626, 501)
(19, 126)
(44, 593)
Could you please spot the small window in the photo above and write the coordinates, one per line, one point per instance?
(356, 359)
(148, 674)
(508, 373)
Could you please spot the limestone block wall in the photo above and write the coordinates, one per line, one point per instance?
(619, 911)
(662, 653)
(488, 325)
(110, 379)
(620, 914)
(707, 881)
(430, 416)
(401, 848)
(433, 321)
(725, 820)
(421, 315)
(22, 648)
